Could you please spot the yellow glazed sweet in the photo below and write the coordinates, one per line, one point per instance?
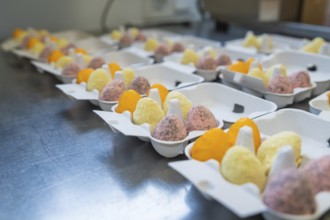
(98, 80)
(151, 44)
(189, 56)
(269, 148)
(148, 111)
(116, 35)
(240, 166)
(185, 103)
(129, 76)
(64, 61)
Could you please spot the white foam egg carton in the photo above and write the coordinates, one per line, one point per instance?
(72, 35)
(159, 33)
(206, 177)
(46, 67)
(79, 92)
(9, 45)
(172, 77)
(150, 32)
(295, 61)
(197, 43)
(94, 46)
(123, 58)
(162, 73)
(210, 75)
(255, 86)
(293, 42)
(126, 59)
(280, 43)
(80, 39)
(227, 103)
(186, 40)
(320, 106)
(122, 123)
(21, 53)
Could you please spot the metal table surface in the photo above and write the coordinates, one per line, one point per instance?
(59, 160)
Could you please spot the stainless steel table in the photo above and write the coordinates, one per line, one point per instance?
(58, 160)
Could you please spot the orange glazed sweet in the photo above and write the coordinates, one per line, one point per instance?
(240, 66)
(32, 41)
(53, 38)
(54, 56)
(17, 32)
(234, 130)
(81, 51)
(128, 101)
(83, 75)
(163, 91)
(211, 145)
(114, 67)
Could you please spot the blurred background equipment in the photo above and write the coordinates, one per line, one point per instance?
(254, 10)
(286, 16)
(300, 18)
(86, 14)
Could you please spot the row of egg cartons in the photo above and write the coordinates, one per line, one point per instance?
(184, 54)
(284, 77)
(54, 49)
(113, 81)
(303, 75)
(270, 165)
(295, 69)
(270, 43)
(161, 43)
(157, 43)
(170, 119)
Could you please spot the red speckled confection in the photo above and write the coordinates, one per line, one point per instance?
(126, 40)
(65, 50)
(223, 60)
(72, 69)
(141, 37)
(113, 90)
(25, 41)
(200, 118)
(162, 50)
(178, 47)
(170, 128)
(43, 39)
(206, 63)
(318, 173)
(281, 85)
(300, 79)
(96, 62)
(140, 84)
(290, 192)
(43, 56)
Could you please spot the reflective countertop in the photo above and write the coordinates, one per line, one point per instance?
(59, 160)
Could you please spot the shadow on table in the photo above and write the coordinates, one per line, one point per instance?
(135, 162)
(14, 61)
(81, 117)
(202, 208)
